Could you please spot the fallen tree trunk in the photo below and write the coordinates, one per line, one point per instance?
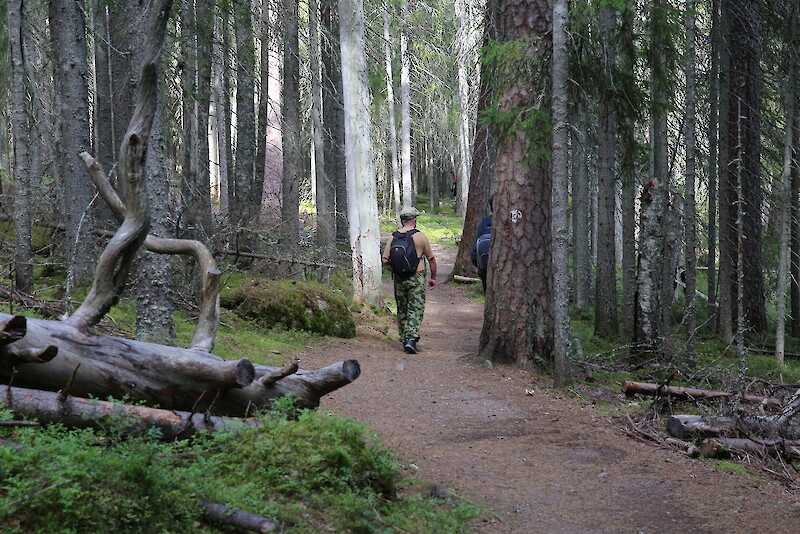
(778, 448)
(49, 407)
(682, 393)
(52, 355)
(699, 426)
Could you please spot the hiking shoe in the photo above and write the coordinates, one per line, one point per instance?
(411, 346)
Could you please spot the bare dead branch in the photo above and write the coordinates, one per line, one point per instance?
(117, 258)
(206, 330)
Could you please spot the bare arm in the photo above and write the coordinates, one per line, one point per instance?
(432, 279)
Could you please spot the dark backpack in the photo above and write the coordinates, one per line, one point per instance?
(482, 249)
(403, 254)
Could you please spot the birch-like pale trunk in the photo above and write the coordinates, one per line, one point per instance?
(405, 112)
(559, 199)
(361, 182)
(391, 112)
(465, 53)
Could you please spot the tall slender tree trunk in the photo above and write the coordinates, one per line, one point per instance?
(70, 75)
(581, 202)
(361, 182)
(326, 225)
(713, 164)
(333, 117)
(248, 190)
(560, 198)
(690, 231)
(727, 190)
(392, 123)
(792, 98)
(20, 128)
(661, 171)
(518, 319)
(271, 201)
(465, 54)
(629, 181)
(222, 108)
(745, 120)
(605, 319)
(290, 123)
(405, 111)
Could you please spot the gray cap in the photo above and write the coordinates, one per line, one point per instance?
(408, 213)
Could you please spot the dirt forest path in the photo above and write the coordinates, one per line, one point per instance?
(540, 462)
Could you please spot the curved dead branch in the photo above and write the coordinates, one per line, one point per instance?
(206, 330)
(116, 260)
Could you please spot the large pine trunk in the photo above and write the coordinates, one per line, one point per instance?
(518, 321)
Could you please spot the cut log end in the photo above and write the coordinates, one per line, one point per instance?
(245, 373)
(351, 369)
(13, 329)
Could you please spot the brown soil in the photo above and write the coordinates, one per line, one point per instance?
(539, 461)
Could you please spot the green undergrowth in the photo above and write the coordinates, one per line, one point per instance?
(307, 471)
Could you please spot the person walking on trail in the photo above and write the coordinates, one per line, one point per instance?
(404, 253)
(480, 249)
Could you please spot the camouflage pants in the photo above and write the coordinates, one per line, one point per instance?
(409, 293)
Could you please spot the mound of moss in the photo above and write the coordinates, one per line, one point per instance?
(291, 304)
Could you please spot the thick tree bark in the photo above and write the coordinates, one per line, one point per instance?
(518, 320)
(70, 74)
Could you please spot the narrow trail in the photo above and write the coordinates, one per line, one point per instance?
(541, 463)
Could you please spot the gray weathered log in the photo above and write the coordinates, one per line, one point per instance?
(684, 393)
(74, 412)
(698, 426)
(721, 447)
(170, 377)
